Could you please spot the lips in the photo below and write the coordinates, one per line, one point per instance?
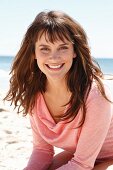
(55, 67)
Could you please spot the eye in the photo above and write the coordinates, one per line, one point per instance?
(63, 48)
(45, 50)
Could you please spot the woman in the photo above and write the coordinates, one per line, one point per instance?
(56, 81)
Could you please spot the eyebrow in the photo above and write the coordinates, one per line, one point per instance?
(44, 45)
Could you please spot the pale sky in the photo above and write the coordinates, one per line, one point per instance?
(96, 17)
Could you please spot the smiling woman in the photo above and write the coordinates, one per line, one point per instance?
(54, 60)
(55, 80)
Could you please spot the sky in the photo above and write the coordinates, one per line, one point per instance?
(96, 17)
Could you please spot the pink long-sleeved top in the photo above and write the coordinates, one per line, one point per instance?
(93, 142)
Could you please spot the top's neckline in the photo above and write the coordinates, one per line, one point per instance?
(49, 114)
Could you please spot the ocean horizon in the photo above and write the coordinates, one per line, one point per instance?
(106, 65)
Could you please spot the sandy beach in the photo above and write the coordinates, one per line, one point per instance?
(15, 138)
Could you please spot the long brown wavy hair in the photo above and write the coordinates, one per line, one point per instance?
(26, 78)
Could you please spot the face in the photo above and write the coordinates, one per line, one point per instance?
(54, 59)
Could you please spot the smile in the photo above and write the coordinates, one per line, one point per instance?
(56, 67)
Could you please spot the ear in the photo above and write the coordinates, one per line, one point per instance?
(74, 56)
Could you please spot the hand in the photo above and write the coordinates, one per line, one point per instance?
(60, 160)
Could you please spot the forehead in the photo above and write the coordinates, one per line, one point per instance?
(45, 38)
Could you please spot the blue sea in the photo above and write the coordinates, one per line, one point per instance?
(106, 65)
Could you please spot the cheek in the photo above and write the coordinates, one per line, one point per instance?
(38, 62)
(38, 54)
(39, 59)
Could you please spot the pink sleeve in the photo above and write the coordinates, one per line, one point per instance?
(93, 133)
(42, 154)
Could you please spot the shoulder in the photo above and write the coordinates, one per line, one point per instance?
(96, 102)
(96, 92)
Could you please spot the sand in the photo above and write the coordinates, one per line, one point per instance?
(15, 138)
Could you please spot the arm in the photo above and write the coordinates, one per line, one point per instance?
(108, 165)
(42, 153)
(93, 133)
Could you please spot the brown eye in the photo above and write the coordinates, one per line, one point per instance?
(45, 50)
(63, 48)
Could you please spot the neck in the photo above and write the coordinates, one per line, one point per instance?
(57, 87)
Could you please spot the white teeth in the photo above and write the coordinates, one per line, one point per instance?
(57, 66)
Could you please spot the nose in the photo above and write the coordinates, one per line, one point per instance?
(55, 55)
